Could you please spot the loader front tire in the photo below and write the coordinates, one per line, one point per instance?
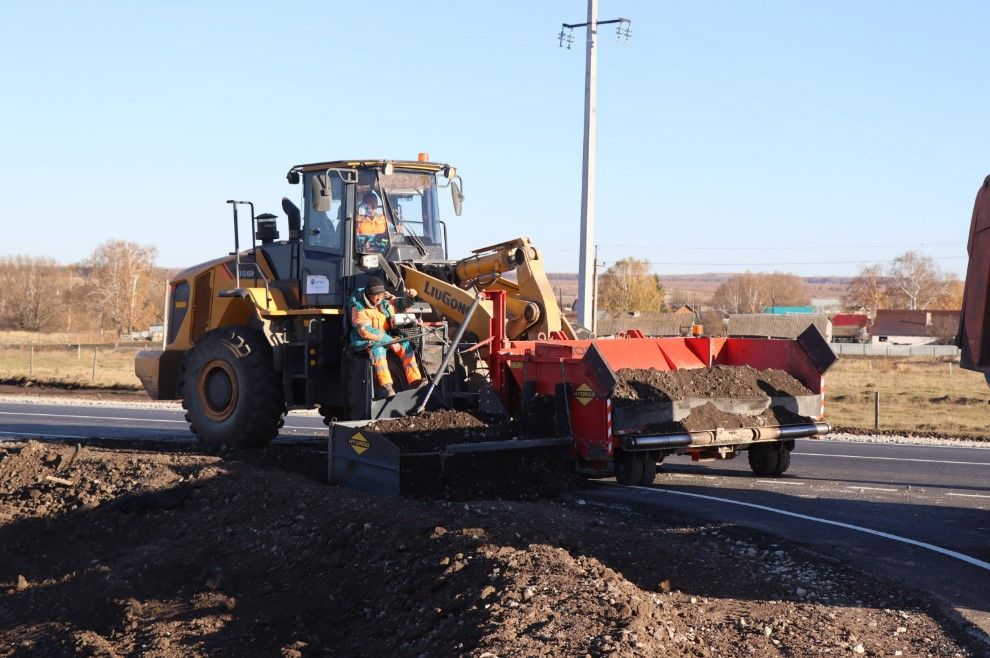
(769, 459)
(233, 395)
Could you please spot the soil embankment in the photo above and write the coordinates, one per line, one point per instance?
(169, 551)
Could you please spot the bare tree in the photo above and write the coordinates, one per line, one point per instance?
(912, 281)
(31, 287)
(915, 281)
(122, 276)
(869, 289)
(629, 285)
(752, 292)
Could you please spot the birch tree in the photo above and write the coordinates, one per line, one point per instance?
(123, 275)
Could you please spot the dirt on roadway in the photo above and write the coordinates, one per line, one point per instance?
(164, 550)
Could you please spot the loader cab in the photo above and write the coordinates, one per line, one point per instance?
(354, 214)
(324, 240)
(407, 217)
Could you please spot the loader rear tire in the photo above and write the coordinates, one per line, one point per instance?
(769, 459)
(629, 469)
(233, 395)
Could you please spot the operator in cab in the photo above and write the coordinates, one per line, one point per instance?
(372, 229)
(371, 314)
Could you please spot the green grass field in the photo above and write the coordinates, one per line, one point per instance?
(70, 366)
(917, 394)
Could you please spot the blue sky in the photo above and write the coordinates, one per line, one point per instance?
(801, 137)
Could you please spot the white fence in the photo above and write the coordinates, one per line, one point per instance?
(856, 349)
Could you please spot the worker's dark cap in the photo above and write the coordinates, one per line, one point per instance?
(375, 286)
(370, 196)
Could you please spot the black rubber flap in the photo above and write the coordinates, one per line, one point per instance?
(603, 375)
(817, 349)
(561, 409)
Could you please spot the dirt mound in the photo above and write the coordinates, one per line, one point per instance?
(435, 429)
(181, 554)
(638, 387)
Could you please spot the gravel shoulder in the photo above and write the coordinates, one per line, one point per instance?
(169, 550)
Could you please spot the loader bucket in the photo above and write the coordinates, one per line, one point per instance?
(366, 460)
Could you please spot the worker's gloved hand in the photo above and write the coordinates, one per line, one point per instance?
(411, 293)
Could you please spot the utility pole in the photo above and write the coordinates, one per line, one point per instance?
(585, 305)
(594, 297)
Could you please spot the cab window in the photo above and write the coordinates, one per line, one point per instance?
(324, 228)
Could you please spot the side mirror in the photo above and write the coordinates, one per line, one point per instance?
(457, 197)
(292, 177)
(322, 193)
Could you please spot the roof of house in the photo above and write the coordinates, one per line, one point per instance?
(651, 323)
(849, 320)
(789, 310)
(901, 322)
(762, 325)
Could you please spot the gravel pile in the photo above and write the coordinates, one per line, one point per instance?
(648, 386)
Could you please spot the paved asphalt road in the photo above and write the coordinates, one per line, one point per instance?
(917, 514)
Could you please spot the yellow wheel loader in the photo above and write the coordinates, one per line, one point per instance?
(264, 330)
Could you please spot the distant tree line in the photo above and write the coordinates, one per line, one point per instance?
(118, 288)
(911, 281)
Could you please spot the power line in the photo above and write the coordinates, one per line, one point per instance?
(842, 247)
(706, 263)
(792, 248)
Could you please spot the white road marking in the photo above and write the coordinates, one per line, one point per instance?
(967, 495)
(870, 488)
(35, 435)
(891, 459)
(788, 482)
(849, 526)
(136, 420)
(180, 421)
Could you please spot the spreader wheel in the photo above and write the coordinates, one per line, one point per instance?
(649, 472)
(233, 394)
(769, 459)
(783, 460)
(629, 469)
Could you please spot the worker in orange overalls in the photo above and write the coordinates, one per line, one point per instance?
(371, 314)
(372, 229)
